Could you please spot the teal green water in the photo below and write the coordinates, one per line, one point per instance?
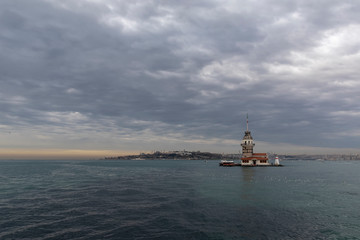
(178, 200)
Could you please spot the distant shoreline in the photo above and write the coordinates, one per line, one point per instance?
(197, 155)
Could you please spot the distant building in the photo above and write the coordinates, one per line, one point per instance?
(249, 158)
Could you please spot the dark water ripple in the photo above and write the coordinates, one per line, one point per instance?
(177, 200)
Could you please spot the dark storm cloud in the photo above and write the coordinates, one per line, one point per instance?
(185, 68)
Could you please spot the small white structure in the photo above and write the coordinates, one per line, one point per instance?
(277, 162)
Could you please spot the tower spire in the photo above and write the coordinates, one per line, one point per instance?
(247, 122)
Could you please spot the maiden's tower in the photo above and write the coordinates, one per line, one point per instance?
(249, 158)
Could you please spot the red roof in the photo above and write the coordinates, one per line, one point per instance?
(254, 158)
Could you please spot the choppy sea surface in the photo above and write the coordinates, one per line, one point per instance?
(118, 199)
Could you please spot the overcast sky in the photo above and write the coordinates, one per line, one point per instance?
(111, 76)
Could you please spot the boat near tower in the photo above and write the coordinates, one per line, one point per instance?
(249, 158)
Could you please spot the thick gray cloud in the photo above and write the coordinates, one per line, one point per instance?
(144, 75)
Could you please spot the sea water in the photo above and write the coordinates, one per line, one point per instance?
(178, 199)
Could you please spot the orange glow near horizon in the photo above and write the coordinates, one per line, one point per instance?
(59, 154)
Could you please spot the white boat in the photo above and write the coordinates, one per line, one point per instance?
(226, 163)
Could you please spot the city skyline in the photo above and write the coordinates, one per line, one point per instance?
(95, 78)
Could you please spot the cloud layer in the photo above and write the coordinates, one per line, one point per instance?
(146, 75)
